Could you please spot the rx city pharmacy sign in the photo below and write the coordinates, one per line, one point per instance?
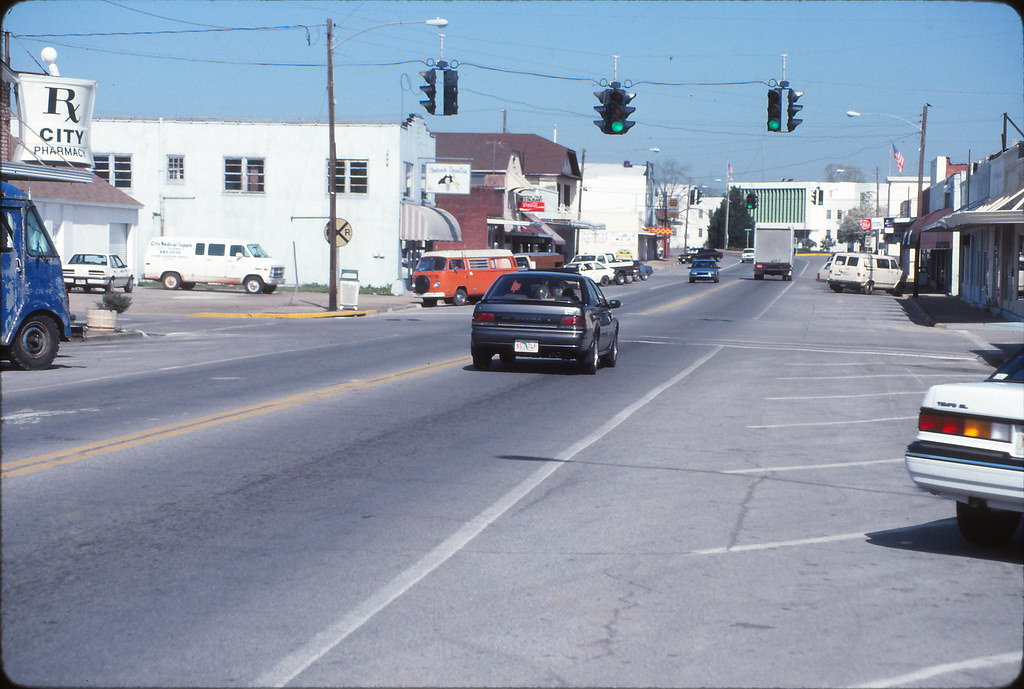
(55, 115)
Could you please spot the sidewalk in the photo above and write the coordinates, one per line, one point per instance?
(1000, 335)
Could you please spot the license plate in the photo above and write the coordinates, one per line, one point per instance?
(527, 346)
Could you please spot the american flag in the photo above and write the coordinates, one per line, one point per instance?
(899, 158)
(730, 173)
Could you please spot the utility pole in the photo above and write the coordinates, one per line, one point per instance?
(920, 202)
(332, 286)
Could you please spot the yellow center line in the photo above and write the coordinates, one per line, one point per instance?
(684, 300)
(76, 454)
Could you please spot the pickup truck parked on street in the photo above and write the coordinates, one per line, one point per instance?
(624, 269)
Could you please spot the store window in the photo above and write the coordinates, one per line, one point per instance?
(246, 175)
(115, 169)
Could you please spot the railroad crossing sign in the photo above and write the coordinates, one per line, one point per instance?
(342, 232)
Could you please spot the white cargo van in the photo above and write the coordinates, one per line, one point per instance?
(181, 262)
(865, 273)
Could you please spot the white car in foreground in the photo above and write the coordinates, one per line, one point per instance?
(970, 447)
(102, 271)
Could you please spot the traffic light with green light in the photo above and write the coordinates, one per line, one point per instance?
(775, 110)
(614, 110)
(751, 201)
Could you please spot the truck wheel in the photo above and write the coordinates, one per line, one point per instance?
(620, 278)
(35, 345)
(253, 284)
(130, 285)
(604, 280)
(171, 280)
(460, 297)
(868, 287)
(984, 526)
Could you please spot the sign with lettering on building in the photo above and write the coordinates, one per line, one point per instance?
(531, 204)
(55, 114)
(446, 178)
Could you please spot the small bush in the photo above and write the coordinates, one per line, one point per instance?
(114, 301)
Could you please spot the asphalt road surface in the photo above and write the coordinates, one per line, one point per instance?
(346, 502)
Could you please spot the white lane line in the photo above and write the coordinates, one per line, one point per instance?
(781, 544)
(833, 423)
(942, 669)
(836, 465)
(772, 302)
(880, 375)
(296, 662)
(836, 397)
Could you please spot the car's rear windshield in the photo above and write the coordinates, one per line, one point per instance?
(1012, 371)
(704, 264)
(522, 287)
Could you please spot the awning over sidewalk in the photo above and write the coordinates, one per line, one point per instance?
(931, 227)
(1004, 210)
(427, 223)
(545, 228)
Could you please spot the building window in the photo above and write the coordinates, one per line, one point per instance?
(839, 214)
(175, 168)
(409, 170)
(244, 174)
(350, 176)
(115, 169)
(828, 214)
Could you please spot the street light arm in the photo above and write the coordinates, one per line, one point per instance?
(438, 22)
(854, 113)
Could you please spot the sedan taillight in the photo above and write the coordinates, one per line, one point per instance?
(955, 424)
(572, 322)
(484, 317)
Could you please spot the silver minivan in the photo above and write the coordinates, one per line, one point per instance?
(865, 273)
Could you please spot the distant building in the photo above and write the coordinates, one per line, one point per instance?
(268, 181)
(524, 191)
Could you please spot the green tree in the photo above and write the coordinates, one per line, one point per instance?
(739, 220)
(849, 229)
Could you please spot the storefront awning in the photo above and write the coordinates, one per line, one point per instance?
(929, 222)
(662, 231)
(545, 228)
(1004, 210)
(427, 223)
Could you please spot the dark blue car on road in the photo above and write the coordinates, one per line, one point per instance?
(704, 269)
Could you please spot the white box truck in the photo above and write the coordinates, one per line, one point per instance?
(181, 262)
(773, 252)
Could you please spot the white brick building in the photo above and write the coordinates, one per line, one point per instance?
(267, 181)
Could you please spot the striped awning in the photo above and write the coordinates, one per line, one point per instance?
(427, 223)
(664, 231)
(545, 228)
(1004, 210)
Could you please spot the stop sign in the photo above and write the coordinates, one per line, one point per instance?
(865, 224)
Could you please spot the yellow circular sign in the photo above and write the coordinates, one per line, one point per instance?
(342, 234)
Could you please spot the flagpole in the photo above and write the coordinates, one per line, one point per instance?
(892, 154)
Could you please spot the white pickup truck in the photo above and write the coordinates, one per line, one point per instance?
(624, 269)
(102, 271)
(970, 447)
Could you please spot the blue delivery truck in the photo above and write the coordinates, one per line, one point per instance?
(35, 310)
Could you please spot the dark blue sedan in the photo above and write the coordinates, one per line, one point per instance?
(704, 269)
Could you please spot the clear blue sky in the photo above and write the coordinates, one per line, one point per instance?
(699, 70)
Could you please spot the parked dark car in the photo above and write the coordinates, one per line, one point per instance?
(642, 270)
(703, 269)
(545, 314)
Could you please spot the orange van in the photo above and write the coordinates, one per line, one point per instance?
(458, 276)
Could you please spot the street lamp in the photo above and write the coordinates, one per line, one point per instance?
(920, 182)
(332, 287)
